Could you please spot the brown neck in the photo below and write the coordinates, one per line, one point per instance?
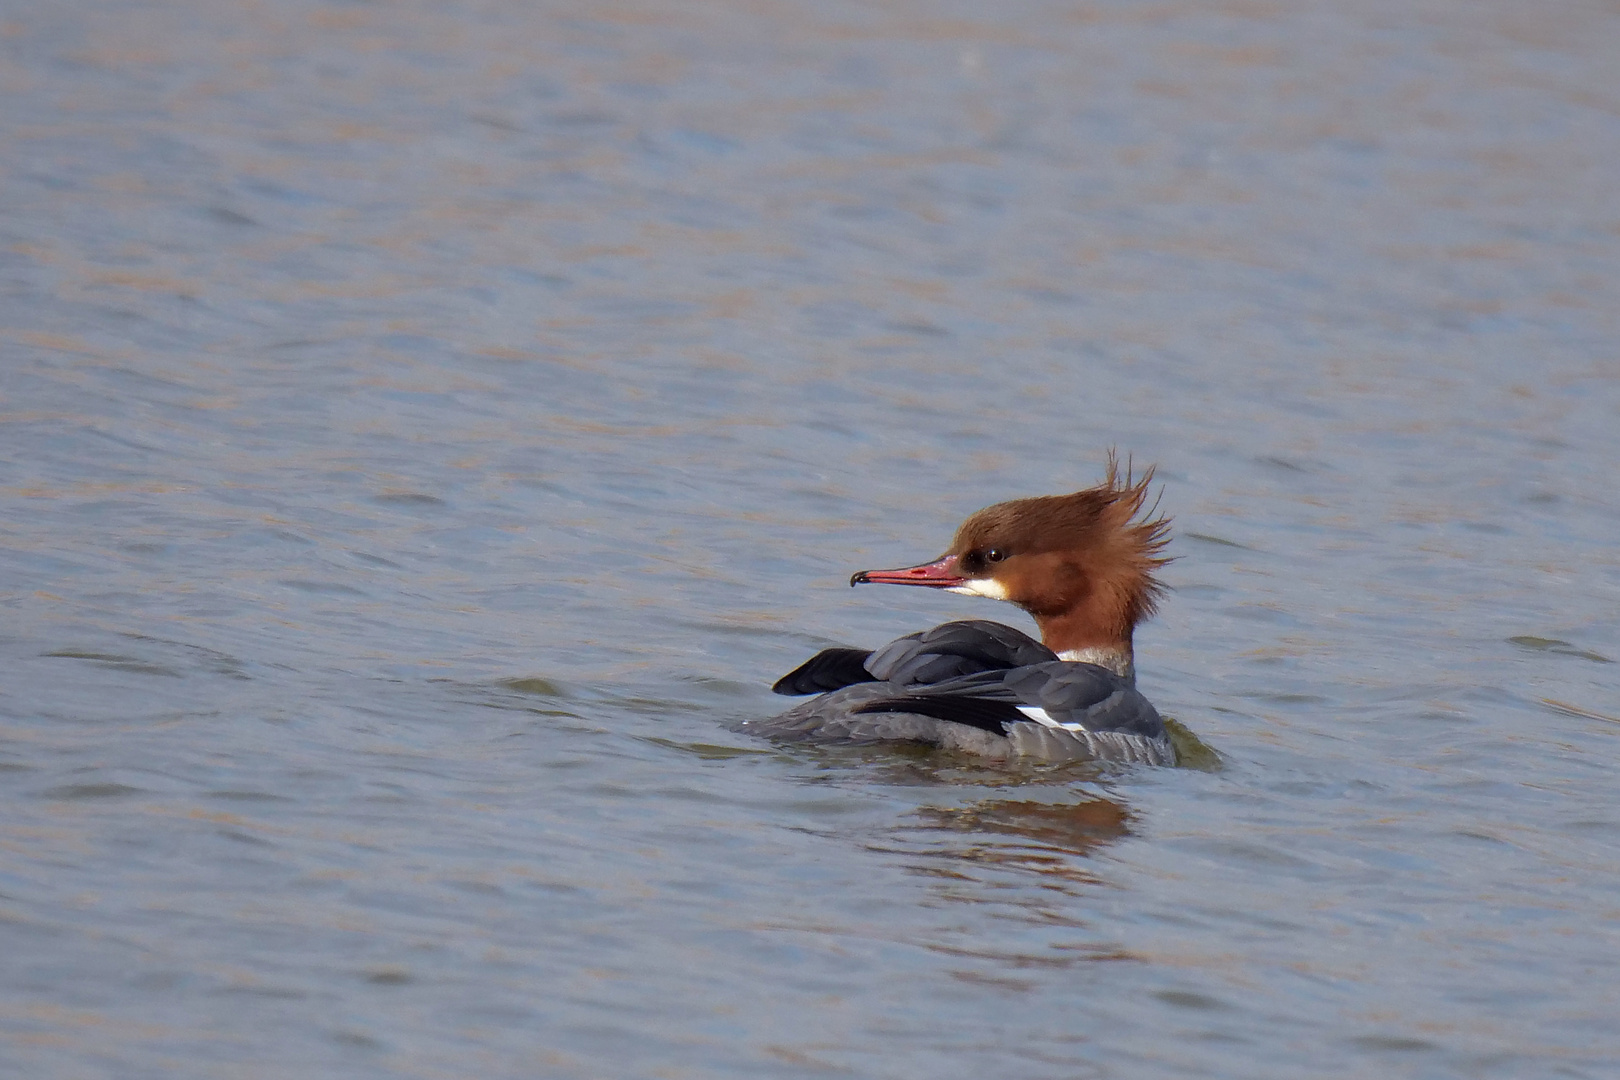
(1077, 635)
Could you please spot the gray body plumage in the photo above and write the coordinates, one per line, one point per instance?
(978, 687)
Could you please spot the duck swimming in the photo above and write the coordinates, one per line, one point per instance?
(1084, 566)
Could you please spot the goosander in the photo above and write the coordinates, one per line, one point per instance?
(1084, 566)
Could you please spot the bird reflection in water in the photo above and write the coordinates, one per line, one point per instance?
(991, 839)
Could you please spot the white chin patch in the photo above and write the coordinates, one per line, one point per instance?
(990, 587)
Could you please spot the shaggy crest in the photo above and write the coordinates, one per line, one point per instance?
(1144, 535)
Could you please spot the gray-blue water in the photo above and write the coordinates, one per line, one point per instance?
(429, 426)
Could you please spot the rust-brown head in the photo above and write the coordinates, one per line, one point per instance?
(1084, 565)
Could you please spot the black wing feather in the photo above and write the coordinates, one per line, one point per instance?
(984, 713)
(829, 669)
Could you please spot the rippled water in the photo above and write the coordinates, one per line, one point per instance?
(430, 426)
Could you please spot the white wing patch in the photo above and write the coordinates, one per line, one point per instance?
(1038, 714)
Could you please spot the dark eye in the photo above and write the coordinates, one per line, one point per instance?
(994, 555)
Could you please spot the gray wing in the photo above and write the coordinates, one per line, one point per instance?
(948, 650)
(1069, 693)
(955, 649)
(977, 686)
(1093, 697)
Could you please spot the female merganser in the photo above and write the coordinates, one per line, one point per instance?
(1083, 565)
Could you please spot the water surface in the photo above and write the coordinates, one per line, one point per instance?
(429, 427)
